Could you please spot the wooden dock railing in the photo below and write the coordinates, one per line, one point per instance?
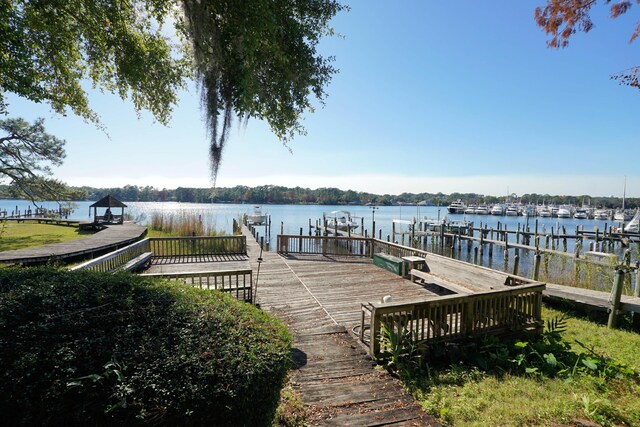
(455, 317)
(396, 250)
(324, 245)
(118, 259)
(189, 246)
(238, 283)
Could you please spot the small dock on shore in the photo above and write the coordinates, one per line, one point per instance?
(111, 238)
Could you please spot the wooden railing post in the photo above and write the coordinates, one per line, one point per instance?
(536, 266)
(374, 342)
(614, 299)
(468, 315)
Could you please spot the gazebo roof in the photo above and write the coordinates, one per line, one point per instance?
(108, 202)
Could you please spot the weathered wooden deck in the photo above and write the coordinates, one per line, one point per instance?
(320, 300)
(110, 238)
(170, 265)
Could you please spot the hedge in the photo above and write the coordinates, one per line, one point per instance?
(84, 348)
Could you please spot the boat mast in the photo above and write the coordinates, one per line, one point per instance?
(624, 192)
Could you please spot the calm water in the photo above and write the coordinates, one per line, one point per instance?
(291, 218)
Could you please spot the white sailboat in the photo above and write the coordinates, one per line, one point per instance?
(634, 225)
(620, 215)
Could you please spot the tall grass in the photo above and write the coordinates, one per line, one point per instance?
(598, 276)
(181, 224)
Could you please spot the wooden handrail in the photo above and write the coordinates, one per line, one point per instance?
(324, 245)
(200, 245)
(115, 260)
(458, 316)
(236, 282)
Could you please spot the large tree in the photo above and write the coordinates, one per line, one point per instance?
(251, 58)
(561, 19)
(27, 153)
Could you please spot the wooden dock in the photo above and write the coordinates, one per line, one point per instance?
(319, 299)
(111, 238)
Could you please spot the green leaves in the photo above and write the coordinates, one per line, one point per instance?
(258, 59)
(51, 48)
(27, 153)
(200, 356)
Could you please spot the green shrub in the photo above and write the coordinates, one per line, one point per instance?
(83, 348)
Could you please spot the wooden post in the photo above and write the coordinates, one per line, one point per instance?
(374, 343)
(616, 294)
(636, 293)
(469, 316)
(300, 241)
(536, 266)
(475, 255)
(516, 264)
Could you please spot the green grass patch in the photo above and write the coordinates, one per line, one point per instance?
(586, 372)
(85, 348)
(15, 235)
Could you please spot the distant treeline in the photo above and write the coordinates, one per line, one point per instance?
(321, 196)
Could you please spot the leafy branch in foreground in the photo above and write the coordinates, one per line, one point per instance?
(258, 59)
(27, 153)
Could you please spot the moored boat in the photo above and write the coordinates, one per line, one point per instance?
(482, 210)
(512, 210)
(581, 214)
(341, 220)
(564, 212)
(457, 207)
(602, 214)
(497, 210)
(544, 211)
(634, 224)
(257, 217)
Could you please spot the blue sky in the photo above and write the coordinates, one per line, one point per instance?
(431, 96)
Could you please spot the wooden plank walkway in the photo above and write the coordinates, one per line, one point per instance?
(320, 300)
(111, 238)
(197, 264)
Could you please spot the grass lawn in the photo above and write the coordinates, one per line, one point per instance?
(15, 235)
(464, 395)
(158, 233)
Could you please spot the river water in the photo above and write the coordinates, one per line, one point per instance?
(295, 219)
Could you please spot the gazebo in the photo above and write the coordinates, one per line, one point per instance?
(108, 202)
